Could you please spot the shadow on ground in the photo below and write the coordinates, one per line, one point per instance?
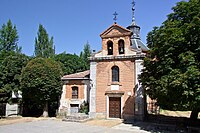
(167, 124)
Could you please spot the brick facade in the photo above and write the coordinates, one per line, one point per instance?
(104, 83)
(105, 88)
(75, 83)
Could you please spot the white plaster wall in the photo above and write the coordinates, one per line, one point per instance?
(92, 112)
(63, 101)
(139, 96)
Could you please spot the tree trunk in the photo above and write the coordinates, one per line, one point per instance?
(45, 110)
(194, 114)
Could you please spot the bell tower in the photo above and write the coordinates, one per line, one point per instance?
(136, 42)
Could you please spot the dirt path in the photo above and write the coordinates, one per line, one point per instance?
(13, 120)
(93, 122)
(104, 122)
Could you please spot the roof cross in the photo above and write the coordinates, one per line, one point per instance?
(115, 17)
(133, 11)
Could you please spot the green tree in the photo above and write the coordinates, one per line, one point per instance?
(4, 54)
(85, 54)
(71, 63)
(41, 82)
(43, 45)
(10, 71)
(172, 68)
(9, 37)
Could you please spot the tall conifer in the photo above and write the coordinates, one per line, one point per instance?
(43, 45)
(9, 37)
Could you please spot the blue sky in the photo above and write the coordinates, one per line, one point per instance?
(74, 22)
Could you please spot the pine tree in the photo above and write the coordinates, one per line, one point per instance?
(9, 38)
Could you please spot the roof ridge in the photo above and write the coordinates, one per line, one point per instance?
(82, 74)
(113, 25)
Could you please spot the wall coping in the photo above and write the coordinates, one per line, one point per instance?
(137, 56)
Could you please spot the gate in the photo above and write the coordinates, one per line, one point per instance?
(2, 109)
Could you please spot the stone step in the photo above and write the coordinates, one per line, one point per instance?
(76, 118)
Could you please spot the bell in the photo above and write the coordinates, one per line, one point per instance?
(121, 50)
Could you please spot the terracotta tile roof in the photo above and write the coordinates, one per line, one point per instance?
(80, 75)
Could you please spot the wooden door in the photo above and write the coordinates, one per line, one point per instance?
(115, 107)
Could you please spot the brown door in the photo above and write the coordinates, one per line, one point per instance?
(115, 107)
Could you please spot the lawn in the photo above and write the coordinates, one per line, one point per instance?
(176, 113)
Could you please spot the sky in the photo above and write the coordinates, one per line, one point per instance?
(73, 23)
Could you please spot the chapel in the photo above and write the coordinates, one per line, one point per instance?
(111, 86)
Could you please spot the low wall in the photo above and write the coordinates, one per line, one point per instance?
(12, 109)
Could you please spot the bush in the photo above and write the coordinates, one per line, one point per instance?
(84, 107)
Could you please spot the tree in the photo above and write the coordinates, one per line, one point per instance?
(86, 53)
(41, 82)
(10, 71)
(9, 37)
(43, 45)
(71, 63)
(172, 68)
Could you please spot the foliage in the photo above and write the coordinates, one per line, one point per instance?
(41, 81)
(9, 37)
(4, 54)
(172, 68)
(43, 45)
(71, 63)
(84, 108)
(10, 71)
(85, 54)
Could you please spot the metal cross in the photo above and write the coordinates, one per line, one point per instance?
(133, 3)
(133, 11)
(115, 16)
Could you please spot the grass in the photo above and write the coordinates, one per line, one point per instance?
(176, 113)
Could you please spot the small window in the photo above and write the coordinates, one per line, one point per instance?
(115, 74)
(74, 92)
(121, 46)
(110, 48)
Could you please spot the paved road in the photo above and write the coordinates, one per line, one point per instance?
(55, 126)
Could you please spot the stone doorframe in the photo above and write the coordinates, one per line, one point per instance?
(108, 95)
